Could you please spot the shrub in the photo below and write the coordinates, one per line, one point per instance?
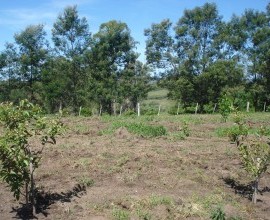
(225, 107)
(129, 112)
(254, 151)
(218, 214)
(19, 157)
(86, 112)
(149, 111)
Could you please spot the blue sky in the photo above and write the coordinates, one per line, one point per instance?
(15, 15)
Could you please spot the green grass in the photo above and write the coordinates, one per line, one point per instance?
(156, 98)
(137, 128)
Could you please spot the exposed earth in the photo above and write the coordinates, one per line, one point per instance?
(98, 172)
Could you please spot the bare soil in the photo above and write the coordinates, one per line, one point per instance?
(92, 175)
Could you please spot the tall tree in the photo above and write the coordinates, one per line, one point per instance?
(135, 83)
(256, 50)
(71, 38)
(32, 46)
(9, 69)
(196, 32)
(112, 52)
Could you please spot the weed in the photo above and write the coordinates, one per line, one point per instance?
(86, 181)
(84, 162)
(155, 200)
(120, 214)
(138, 128)
(143, 214)
(218, 214)
(122, 160)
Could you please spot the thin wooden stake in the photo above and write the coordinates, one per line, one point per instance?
(138, 109)
(159, 107)
(264, 107)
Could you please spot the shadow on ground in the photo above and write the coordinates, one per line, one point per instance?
(244, 190)
(44, 200)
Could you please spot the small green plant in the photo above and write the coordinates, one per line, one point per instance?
(254, 150)
(120, 214)
(24, 124)
(240, 130)
(185, 129)
(218, 214)
(138, 128)
(225, 107)
(255, 156)
(86, 181)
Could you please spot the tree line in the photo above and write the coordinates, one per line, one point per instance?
(199, 59)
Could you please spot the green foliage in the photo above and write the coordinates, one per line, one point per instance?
(129, 112)
(208, 108)
(255, 156)
(139, 129)
(254, 150)
(218, 214)
(120, 214)
(149, 111)
(86, 112)
(225, 107)
(23, 124)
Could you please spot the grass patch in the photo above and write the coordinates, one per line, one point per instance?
(138, 128)
(120, 214)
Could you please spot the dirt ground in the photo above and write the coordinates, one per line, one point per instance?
(92, 174)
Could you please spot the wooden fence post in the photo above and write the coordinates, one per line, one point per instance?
(138, 109)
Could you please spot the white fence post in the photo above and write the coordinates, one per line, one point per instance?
(121, 107)
(138, 109)
(80, 110)
(100, 110)
(196, 109)
(247, 106)
(178, 108)
(215, 108)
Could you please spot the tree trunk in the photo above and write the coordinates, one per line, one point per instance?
(255, 192)
(32, 188)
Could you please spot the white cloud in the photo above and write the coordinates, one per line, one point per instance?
(63, 3)
(43, 14)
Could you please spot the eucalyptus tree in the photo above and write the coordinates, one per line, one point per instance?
(256, 50)
(196, 32)
(188, 53)
(9, 71)
(111, 54)
(71, 37)
(135, 83)
(32, 46)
